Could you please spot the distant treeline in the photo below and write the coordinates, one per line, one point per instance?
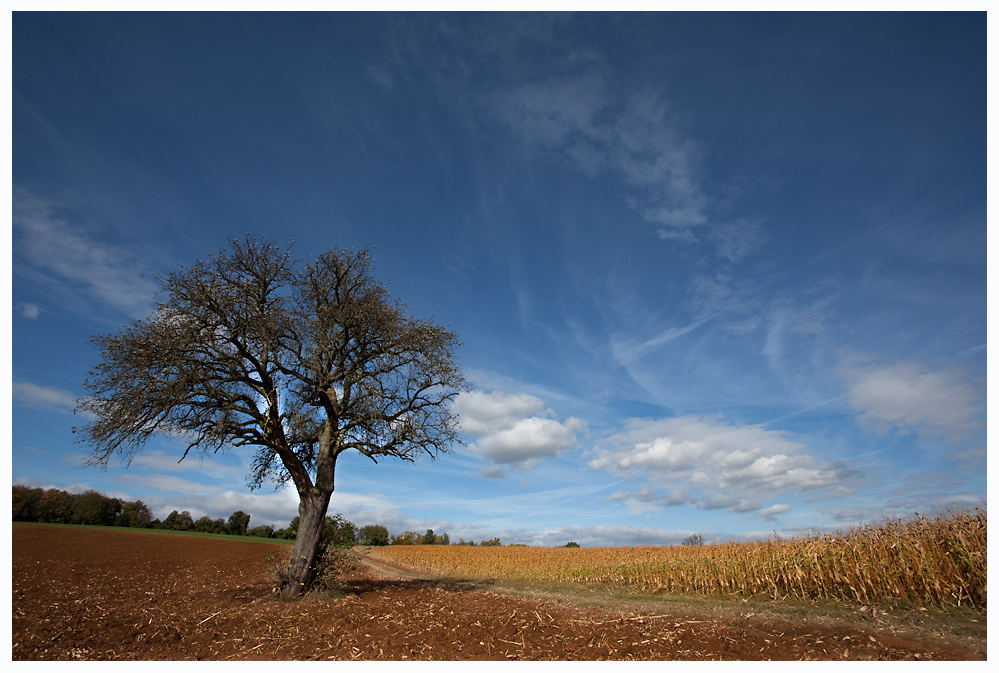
(409, 537)
(96, 509)
(92, 508)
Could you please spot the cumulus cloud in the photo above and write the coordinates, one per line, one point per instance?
(30, 311)
(492, 471)
(514, 429)
(774, 510)
(910, 396)
(648, 499)
(43, 397)
(275, 509)
(530, 439)
(713, 464)
(61, 254)
(485, 413)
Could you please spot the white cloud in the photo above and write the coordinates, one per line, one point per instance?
(484, 413)
(171, 462)
(743, 326)
(774, 510)
(599, 536)
(62, 254)
(910, 396)
(274, 509)
(492, 471)
(858, 515)
(712, 464)
(529, 438)
(558, 113)
(379, 77)
(30, 311)
(735, 240)
(576, 116)
(679, 235)
(279, 508)
(43, 397)
(670, 334)
(163, 482)
(648, 499)
(514, 429)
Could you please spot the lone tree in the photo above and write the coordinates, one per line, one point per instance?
(303, 361)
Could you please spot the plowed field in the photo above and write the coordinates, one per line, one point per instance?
(105, 594)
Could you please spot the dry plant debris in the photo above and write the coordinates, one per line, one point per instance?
(97, 594)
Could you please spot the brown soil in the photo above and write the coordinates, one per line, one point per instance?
(105, 594)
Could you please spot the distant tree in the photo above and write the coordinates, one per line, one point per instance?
(461, 541)
(55, 506)
(373, 536)
(572, 544)
(338, 532)
(91, 508)
(170, 521)
(443, 539)
(179, 521)
(134, 515)
(238, 522)
(495, 542)
(406, 537)
(430, 537)
(25, 503)
(302, 362)
(261, 531)
(693, 540)
(289, 532)
(206, 524)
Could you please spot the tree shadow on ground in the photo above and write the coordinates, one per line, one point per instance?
(361, 587)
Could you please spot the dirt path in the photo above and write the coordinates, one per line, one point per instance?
(82, 593)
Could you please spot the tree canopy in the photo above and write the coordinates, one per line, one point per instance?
(301, 360)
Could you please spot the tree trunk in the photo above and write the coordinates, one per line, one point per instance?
(302, 566)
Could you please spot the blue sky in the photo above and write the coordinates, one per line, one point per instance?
(715, 273)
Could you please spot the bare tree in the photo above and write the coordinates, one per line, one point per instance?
(303, 361)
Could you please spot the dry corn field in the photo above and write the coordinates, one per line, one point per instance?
(937, 561)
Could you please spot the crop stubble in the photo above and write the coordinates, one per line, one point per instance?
(107, 594)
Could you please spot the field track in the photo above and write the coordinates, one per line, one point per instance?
(106, 594)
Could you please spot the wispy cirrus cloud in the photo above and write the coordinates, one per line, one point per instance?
(171, 462)
(578, 115)
(55, 252)
(575, 116)
(168, 483)
(43, 397)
